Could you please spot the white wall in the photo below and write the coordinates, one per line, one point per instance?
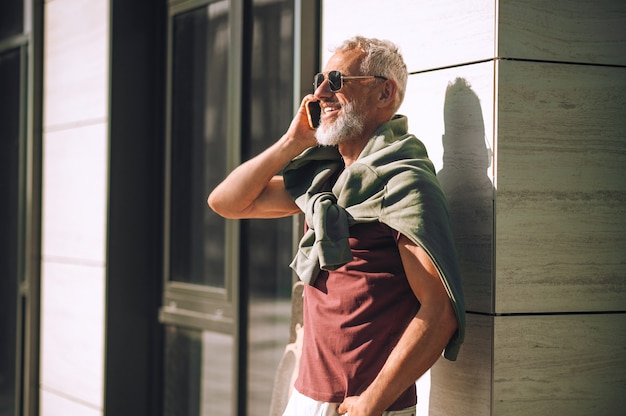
(75, 173)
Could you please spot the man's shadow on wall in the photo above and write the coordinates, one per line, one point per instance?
(464, 179)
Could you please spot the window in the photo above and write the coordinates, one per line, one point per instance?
(199, 142)
(199, 309)
(226, 303)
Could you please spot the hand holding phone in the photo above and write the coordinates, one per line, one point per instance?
(313, 112)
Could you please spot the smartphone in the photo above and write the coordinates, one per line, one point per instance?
(313, 112)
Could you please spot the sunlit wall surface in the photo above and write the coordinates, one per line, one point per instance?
(519, 103)
(74, 206)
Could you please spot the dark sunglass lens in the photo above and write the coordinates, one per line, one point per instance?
(334, 79)
(317, 80)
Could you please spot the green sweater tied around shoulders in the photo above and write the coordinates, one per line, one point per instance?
(393, 181)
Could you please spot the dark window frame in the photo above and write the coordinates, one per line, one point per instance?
(188, 304)
(22, 21)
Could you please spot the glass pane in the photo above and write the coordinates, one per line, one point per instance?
(198, 373)
(199, 120)
(9, 180)
(11, 18)
(266, 244)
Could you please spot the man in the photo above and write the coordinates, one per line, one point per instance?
(383, 296)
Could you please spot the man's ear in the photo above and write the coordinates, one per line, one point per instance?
(387, 93)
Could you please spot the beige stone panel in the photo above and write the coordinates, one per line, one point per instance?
(74, 194)
(561, 188)
(463, 387)
(559, 365)
(431, 33)
(75, 62)
(563, 30)
(72, 333)
(451, 111)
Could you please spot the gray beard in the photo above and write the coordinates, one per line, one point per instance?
(346, 127)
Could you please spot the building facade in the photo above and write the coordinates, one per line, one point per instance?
(122, 293)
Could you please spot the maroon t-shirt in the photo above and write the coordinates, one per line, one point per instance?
(353, 318)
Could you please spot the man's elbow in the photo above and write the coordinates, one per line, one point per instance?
(213, 204)
(219, 206)
(443, 316)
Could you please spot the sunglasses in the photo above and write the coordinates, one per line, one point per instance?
(336, 78)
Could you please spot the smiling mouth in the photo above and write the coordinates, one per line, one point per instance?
(330, 109)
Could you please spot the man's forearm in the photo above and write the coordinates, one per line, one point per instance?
(236, 194)
(419, 348)
(251, 190)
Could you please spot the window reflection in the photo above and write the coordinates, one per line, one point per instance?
(266, 244)
(198, 367)
(198, 142)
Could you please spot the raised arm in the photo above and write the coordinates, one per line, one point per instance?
(253, 190)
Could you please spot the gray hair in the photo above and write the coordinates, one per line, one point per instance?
(381, 57)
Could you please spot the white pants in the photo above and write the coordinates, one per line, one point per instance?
(301, 405)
